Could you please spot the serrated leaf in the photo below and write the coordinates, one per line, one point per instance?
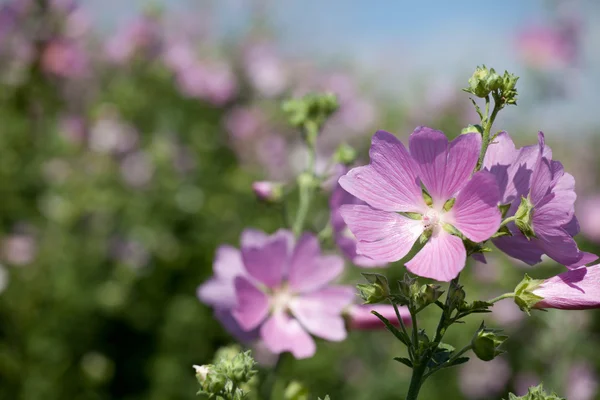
(404, 361)
(401, 336)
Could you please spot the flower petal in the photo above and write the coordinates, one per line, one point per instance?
(266, 259)
(444, 169)
(382, 235)
(308, 269)
(517, 246)
(390, 182)
(320, 313)
(475, 212)
(577, 289)
(562, 248)
(226, 319)
(442, 258)
(217, 292)
(282, 333)
(228, 262)
(253, 304)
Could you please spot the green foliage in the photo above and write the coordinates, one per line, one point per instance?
(536, 393)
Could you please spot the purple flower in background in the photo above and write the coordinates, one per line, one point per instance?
(342, 235)
(142, 35)
(577, 289)
(280, 291)
(244, 122)
(546, 47)
(212, 81)
(396, 214)
(265, 69)
(582, 382)
(530, 172)
(361, 318)
(65, 58)
(590, 225)
(19, 249)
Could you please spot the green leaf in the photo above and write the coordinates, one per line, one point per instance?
(401, 336)
(404, 361)
(458, 361)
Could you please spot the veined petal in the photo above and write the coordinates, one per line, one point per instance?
(562, 248)
(282, 333)
(442, 258)
(517, 246)
(577, 289)
(444, 168)
(320, 312)
(253, 304)
(475, 212)
(390, 182)
(228, 262)
(267, 260)
(381, 235)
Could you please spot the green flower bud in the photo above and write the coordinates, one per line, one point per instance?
(345, 154)
(524, 296)
(310, 112)
(536, 393)
(214, 382)
(431, 293)
(478, 82)
(486, 343)
(494, 81)
(524, 218)
(376, 291)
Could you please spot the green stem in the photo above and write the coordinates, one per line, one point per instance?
(416, 381)
(507, 220)
(487, 128)
(449, 362)
(411, 353)
(306, 186)
(502, 297)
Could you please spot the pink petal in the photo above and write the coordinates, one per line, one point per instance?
(381, 235)
(390, 182)
(501, 151)
(475, 212)
(308, 269)
(219, 293)
(442, 258)
(281, 333)
(253, 304)
(228, 262)
(577, 289)
(562, 248)
(266, 259)
(361, 317)
(253, 238)
(226, 319)
(320, 312)
(444, 169)
(517, 246)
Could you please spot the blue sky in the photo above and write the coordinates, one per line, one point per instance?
(401, 39)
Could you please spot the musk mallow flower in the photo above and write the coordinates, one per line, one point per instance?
(530, 175)
(576, 289)
(279, 291)
(344, 238)
(397, 214)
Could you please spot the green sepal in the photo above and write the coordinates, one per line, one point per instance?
(524, 218)
(401, 336)
(504, 209)
(376, 291)
(524, 296)
(486, 343)
(404, 361)
(503, 231)
(449, 204)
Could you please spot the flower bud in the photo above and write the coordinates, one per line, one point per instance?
(214, 382)
(536, 393)
(486, 343)
(201, 372)
(430, 293)
(345, 154)
(268, 191)
(494, 81)
(376, 291)
(524, 218)
(525, 297)
(478, 82)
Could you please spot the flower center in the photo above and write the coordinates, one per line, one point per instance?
(280, 299)
(431, 219)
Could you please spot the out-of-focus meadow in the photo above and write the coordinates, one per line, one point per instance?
(127, 153)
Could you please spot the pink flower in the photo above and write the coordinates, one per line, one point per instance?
(390, 185)
(344, 238)
(577, 289)
(279, 291)
(65, 58)
(19, 249)
(530, 172)
(590, 225)
(268, 191)
(361, 317)
(546, 47)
